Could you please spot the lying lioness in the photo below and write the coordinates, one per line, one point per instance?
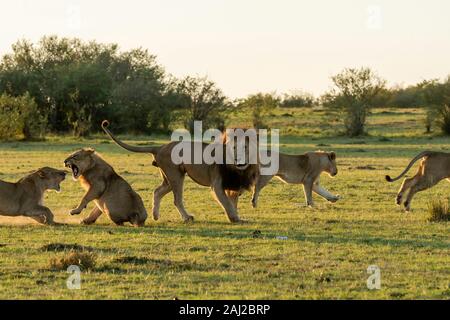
(110, 192)
(302, 169)
(25, 197)
(434, 168)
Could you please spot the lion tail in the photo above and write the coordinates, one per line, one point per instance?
(419, 156)
(152, 150)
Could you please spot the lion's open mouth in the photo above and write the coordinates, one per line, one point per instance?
(75, 170)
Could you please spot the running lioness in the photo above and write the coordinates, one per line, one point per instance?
(434, 167)
(26, 197)
(302, 169)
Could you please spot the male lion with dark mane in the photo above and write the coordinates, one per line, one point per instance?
(227, 181)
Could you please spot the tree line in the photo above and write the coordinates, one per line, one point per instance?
(66, 85)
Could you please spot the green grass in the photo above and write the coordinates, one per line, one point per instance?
(325, 256)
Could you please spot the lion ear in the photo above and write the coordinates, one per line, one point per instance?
(41, 174)
(332, 156)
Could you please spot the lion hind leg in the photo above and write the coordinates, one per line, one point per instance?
(92, 217)
(324, 193)
(137, 219)
(163, 189)
(41, 214)
(406, 185)
(421, 185)
(176, 183)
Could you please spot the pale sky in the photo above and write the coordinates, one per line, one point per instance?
(248, 46)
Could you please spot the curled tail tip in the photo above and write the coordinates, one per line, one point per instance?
(105, 124)
(388, 178)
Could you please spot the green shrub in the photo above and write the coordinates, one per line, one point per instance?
(444, 119)
(20, 117)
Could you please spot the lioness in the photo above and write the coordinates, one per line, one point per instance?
(227, 181)
(26, 197)
(110, 192)
(434, 167)
(302, 169)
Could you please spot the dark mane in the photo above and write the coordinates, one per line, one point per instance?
(238, 180)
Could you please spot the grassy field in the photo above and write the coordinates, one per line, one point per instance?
(325, 256)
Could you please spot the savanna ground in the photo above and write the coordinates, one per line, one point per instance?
(325, 256)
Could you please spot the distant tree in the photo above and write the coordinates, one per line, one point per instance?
(436, 97)
(202, 101)
(19, 116)
(139, 93)
(353, 96)
(260, 105)
(87, 89)
(409, 97)
(298, 99)
(77, 84)
(382, 98)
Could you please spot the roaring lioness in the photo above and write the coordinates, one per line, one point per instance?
(434, 167)
(227, 181)
(110, 192)
(302, 169)
(26, 197)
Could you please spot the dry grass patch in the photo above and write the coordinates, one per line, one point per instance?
(85, 260)
(438, 211)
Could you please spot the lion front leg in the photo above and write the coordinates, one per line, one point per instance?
(225, 202)
(91, 195)
(262, 181)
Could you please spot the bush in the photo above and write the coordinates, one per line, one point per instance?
(353, 96)
(259, 105)
(19, 116)
(298, 100)
(438, 210)
(444, 119)
(201, 100)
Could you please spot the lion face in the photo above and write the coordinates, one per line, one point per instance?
(51, 178)
(330, 164)
(79, 162)
(243, 150)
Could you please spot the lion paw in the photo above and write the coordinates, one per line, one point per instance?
(335, 199)
(86, 222)
(156, 216)
(75, 212)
